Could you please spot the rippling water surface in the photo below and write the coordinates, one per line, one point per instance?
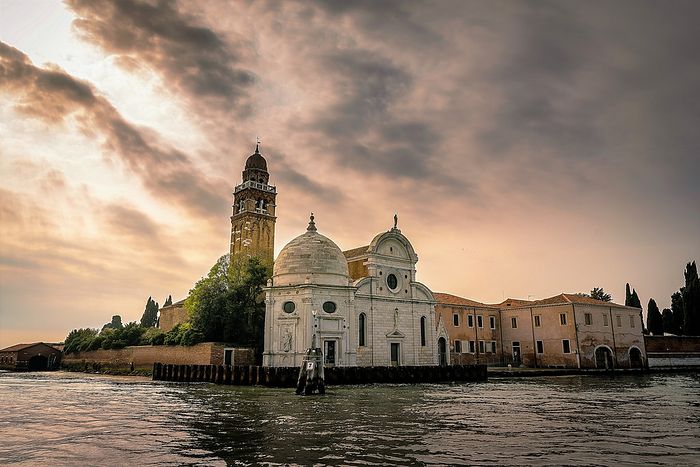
(66, 418)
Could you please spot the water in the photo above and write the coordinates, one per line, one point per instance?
(63, 418)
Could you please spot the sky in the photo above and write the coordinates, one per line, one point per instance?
(529, 147)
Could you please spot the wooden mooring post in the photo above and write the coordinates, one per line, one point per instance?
(287, 377)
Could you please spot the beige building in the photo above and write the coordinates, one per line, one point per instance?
(565, 331)
(473, 328)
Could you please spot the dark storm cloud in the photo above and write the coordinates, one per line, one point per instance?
(194, 60)
(54, 96)
(294, 179)
(361, 124)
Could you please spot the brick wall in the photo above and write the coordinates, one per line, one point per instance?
(144, 356)
(672, 344)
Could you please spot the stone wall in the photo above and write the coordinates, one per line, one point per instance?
(144, 356)
(673, 351)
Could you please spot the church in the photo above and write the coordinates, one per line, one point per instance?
(362, 307)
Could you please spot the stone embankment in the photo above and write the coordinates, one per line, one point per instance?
(287, 377)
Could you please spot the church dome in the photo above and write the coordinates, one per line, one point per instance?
(311, 258)
(256, 161)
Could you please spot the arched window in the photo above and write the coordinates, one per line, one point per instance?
(422, 331)
(362, 329)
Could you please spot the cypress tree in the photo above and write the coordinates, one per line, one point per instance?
(168, 301)
(628, 295)
(654, 321)
(150, 314)
(634, 302)
(691, 301)
(677, 311)
(667, 320)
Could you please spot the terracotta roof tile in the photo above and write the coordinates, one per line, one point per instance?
(18, 347)
(449, 299)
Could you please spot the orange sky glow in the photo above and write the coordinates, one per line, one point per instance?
(529, 148)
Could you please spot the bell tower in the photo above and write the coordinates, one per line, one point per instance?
(253, 218)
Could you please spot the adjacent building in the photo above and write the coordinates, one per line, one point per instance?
(30, 357)
(564, 331)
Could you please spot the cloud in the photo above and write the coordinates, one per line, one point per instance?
(193, 59)
(50, 94)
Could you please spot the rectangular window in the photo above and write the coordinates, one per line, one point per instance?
(618, 321)
(470, 321)
(481, 347)
(458, 346)
(540, 347)
(492, 322)
(493, 346)
(480, 321)
(562, 318)
(632, 320)
(588, 318)
(566, 346)
(537, 321)
(455, 320)
(514, 322)
(472, 347)
(605, 319)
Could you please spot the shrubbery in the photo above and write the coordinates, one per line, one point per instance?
(81, 340)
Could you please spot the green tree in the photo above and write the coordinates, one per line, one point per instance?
(677, 311)
(228, 307)
(152, 336)
(655, 323)
(79, 340)
(599, 294)
(667, 319)
(691, 301)
(150, 314)
(168, 301)
(116, 323)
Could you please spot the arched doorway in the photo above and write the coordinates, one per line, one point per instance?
(38, 363)
(442, 351)
(603, 358)
(636, 358)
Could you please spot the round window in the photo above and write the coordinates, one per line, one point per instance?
(329, 307)
(392, 282)
(289, 307)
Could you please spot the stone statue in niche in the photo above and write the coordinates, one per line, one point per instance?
(287, 341)
(396, 318)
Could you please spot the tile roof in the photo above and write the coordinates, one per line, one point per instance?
(449, 299)
(352, 253)
(566, 299)
(512, 303)
(18, 347)
(179, 304)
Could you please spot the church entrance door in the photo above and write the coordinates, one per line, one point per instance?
(395, 353)
(329, 353)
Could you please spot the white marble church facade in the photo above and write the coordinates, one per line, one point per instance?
(375, 315)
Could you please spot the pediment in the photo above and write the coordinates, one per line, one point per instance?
(396, 334)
